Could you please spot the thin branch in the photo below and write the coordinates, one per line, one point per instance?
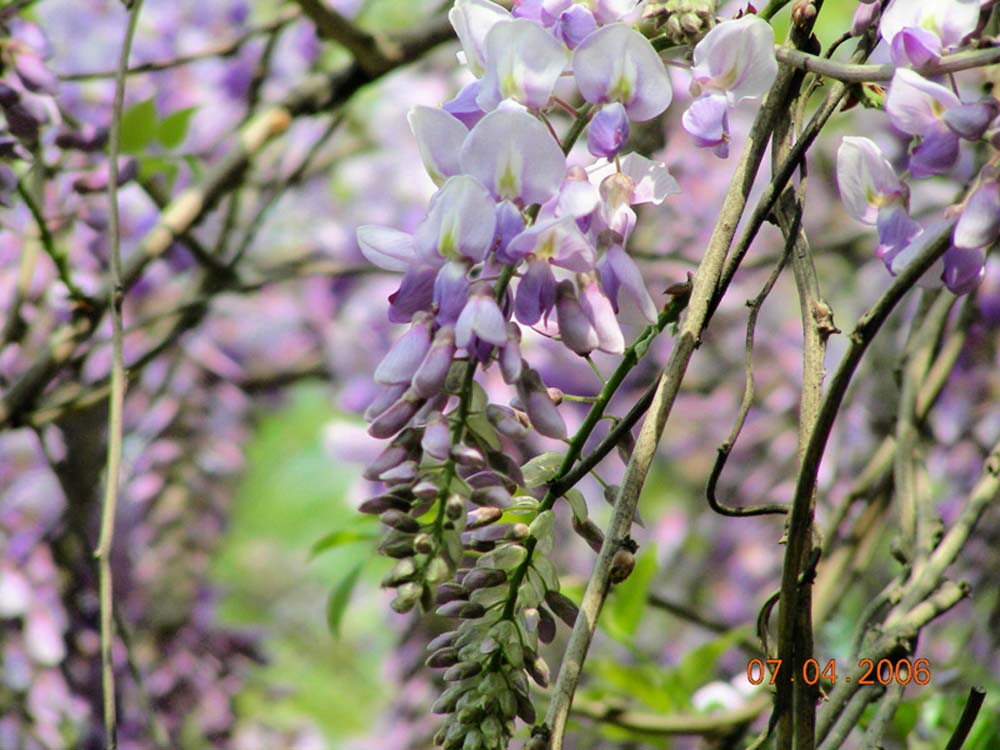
(373, 54)
(973, 704)
(716, 724)
(855, 73)
(116, 293)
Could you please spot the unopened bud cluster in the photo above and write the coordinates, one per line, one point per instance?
(683, 21)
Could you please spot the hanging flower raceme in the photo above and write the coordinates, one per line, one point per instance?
(511, 238)
(734, 62)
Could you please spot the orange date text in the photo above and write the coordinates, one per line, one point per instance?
(868, 672)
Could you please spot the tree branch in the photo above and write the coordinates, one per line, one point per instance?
(854, 73)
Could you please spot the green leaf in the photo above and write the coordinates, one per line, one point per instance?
(541, 469)
(138, 127)
(174, 127)
(336, 605)
(627, 602)
(154, 166)
(483, 429)
(340, 537)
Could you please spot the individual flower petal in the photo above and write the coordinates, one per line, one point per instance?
(915, 46)
(415, 293)
(707, 120)
(536, 293)
(577, 197)
(574, 25)
(608, 131)
(406, 354)
(510, 223)
(964, 269)
(609, 11)
(514, 155)
(436, 440)
(482, 317)
(979, 224)
(601, 315)
(622, 281)
(544, 415)
(865, 15)
(970, 121)
(556, 240)
(429, 379)
(387, 248)
(736, 58)
(439, 137)
(931, 279)
(472, 21)
(618, 64)
(575, 328)
(936, 153)
(866, 179)
(896, 230)
(552, 9)
(653, 181)
(395, 418)
(463, 107)
(510, 355)
(451, 290)
(616, 205)
(35, 74)
(461, 221)
(915, 105)
(523, 63)
(530, 9)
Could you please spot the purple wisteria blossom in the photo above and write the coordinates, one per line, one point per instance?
(919, 31)
(523, 63)
(734, 62)
(618, 64)
(472, 21)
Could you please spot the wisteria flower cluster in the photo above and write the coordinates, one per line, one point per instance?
(932, 113)
(515, 238)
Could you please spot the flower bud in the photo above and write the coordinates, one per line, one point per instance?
(425, 489)
(483, 517)
(575, 329)
(400, 521)
(865, 17)
(407, 597)
(442, 658)
(488, 478)
(462, 671)
(608, 131)
(544, 416)
(430, 377)
(436, 441)
(406, 355)
(526, 711)
(562, 606)
(590, 532)
(506, 421)
(484, 578)
(454, 507)
(510, 355)
(395, 418)
(444, 640)
(979, 224)
(405, 473)
(574, 25)
(403, 572)
(396, 547)
(496, 497)
(537, 669)
(446, 703)
(97, 180)
(381, 503)
(35, 74)
(546, 626)
(88, 139)
(462, 609)
(466, 455)
(450, 592)
(423, 543)
(386, 397)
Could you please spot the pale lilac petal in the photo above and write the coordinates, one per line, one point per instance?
(530, 9)
(970, 121)
(557, 240)
(415, 293)
(482, 317)
(463, 107)
(511, 364)
(544, 415)
(902, 259)
(609, 11)
(865, 15)
(653, 181)
(865, 178)
(451, 290)
(577, 198)
(916, 47)
(514, 155)
(608, 131)
(43, 636)
(574, 25)
(575, 328)
(536, 293)
(436, 440)
(979, 224)
(406, 354)
(936, 153)
(707, 120)
(387, 248)
(439, 137)
(736, 58)
(915, 105)
(601, 315)
(461, 221)
(618, 64)
(552, 9)
(523, 63)
(964, 269)
(430, 377)
(632, 299)
(510, 223)
(472, 21)
(896, 230)
(617, 190)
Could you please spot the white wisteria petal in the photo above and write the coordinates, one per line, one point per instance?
(523, 63)
(439, 137)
